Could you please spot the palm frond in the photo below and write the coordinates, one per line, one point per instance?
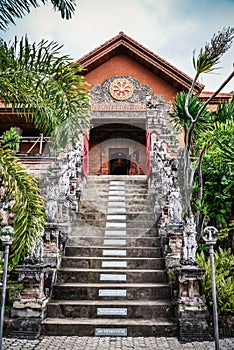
(210, 55)
(28, 210)
(65, 7)
(221, 135)
(36, 82)
(225, 111)
(180, 118)
(14, 9)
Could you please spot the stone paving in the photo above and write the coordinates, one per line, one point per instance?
(108, 343)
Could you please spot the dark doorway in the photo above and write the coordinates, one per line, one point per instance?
(108, 140)
(118, 163)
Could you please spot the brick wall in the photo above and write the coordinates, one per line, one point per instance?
(123, 65)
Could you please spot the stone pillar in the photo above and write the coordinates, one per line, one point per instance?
(30, 306)
(174, 245)
(192, 312)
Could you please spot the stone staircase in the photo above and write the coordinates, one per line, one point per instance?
(112, 280)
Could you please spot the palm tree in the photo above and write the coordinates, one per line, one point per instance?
(47, 89)
(11, 9)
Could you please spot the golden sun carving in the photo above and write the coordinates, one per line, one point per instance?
(121, 89)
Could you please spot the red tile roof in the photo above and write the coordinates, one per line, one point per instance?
(123, 44)
(222, 96)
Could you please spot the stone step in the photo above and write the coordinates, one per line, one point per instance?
(119, 208)
(91, 230)
(108, 309)
(99, 205)
(106, 187)
(117, 178)
(114, 179)
(109, 182)
(127, 187)
(134, 291)
(118, 240)
(121, 196)
(73, 275)
(112, 280)
(130, 203)
(130, 212)
(116, 214)
(137, 223)
(98, 251)
(129, 199)
(100, 262)
(159, 327)
(102, 207)
(118, 190)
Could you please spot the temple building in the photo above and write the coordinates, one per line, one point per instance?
(131, 88)
(114, 213)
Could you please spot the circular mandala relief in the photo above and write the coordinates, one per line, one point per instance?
(121, 89)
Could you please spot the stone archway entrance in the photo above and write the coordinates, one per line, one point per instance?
(117, 149)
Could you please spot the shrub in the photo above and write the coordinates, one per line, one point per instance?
(224, 276)
(10, 139)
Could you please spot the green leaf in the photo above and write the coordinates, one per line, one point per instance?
(28, 208)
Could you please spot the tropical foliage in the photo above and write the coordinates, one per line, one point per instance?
(38, 83)
(181, 120)
(192, 116)
(224, 276)
(12, 9)
(28, 206)
(10, 139)
(49, 90)
(215, 180)
(45, 87)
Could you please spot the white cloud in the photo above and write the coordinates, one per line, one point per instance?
(170, 28)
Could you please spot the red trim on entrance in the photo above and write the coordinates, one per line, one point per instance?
(86, 157)
(148, 165)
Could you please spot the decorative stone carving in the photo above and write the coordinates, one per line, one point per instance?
(52, 204)
(28, 309)
(102, 94)
(32, 276)
(188, 278)
(189, 243)
(178, 238)
(175, 207)
(63, 185)
(53, 244)
(191, 309)
(74, 157)
(64, 178)
(121, 89)
(6, 204)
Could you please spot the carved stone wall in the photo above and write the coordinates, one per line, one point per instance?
(178, 237)
(101, 93)
(61, 188)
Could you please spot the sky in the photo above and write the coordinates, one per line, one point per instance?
(170, 28)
